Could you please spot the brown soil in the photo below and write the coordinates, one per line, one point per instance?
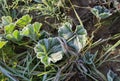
(112, 28)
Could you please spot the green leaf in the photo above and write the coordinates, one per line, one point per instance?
(32, 31)
(15, 36)
(25, 31)
(49, 50)
(9, 36)
(88, 58)
(75, 39)
(28, 31)
(37, 27)
(6, 20)
(65, 31)
(2, 43)
(104, 15)
(80, 38)
(45, 60)
(95, 12)
(111, 75)
(9, 28)
(22, 22)
(100, 12)
(75, 44)
(80, 30)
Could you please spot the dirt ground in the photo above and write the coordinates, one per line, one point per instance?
(105, 31)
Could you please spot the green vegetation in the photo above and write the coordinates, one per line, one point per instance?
(41, 41)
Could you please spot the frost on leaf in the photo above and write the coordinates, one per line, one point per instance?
(49, 50)
(100, 12)
(75, 39)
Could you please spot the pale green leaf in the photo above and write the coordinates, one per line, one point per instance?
(37, 27)
(2, 43)
(95, 12)
(25, 31)
(25, 20)
(100, 12)
(32, 31)
(28, 31)
(65, 31)
(49, 50)
(6, 20)
(9, 36)
(9, 28)
(75, 39)
(45, 60)
(104, 15)
(16, 35)
(76, 44)
(80, 30)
